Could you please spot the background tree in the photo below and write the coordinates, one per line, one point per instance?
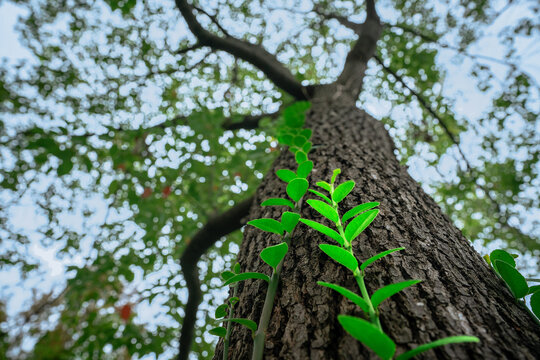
(120, 103)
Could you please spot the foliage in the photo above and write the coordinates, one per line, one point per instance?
(111, 108)
(370, 331)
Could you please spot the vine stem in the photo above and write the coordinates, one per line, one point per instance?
(358, 275)
(229, 325)
(260, 335)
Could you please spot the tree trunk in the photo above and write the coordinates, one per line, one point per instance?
(459, 293)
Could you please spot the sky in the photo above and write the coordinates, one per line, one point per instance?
(472, 104)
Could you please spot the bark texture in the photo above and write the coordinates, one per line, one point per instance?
(459, 293)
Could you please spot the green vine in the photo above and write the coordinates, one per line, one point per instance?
(369, 331)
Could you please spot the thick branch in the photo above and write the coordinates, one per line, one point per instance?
(252, 53)
(215, 228)
(369, 32)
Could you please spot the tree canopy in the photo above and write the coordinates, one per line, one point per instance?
(124, 134)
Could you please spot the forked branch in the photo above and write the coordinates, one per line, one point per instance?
(252, 53)
(217, 227)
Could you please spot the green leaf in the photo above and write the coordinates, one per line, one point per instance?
(269, 225)
(535, 304)
(369, 335)
(250, 324)
(324, 209)
(348, 294)
(300, 157)
(245, 276)
(234, 300)
(340, 255)
(372, 259)
(289, 220)
(334, 175)
(278, 202)
(237, 268)
(299, 140)
(273, 255)
(286, 175)
(533, 289)
(385, 292)
(357, 210)
(307, 147)
(226, 275)
(449, 340)
(219, 331)
(359, 223)
(342, 191)
(326, 186)
(285, 139)
(297, 188)
(515, 281)
(306, 133)
(322, 196)
(221, 311)
(501, 255)
(324, 229)
(304, 169)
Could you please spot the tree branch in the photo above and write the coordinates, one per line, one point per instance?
(252, 53)
(215, 228)
(355, 66)
(249, 121)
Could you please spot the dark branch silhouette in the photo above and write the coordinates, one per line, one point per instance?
(216, 227)
(252, 53)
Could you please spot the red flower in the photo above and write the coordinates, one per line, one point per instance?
(166, 191)
(125, 312)
(147, 192)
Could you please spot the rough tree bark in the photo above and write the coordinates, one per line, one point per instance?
(459, 293)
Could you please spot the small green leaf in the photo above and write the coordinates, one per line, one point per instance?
(233, 301)
(218, 331)
(501, 255)
(326, 186)
(273, 255)
(324, 209)
(297, 188)
(322, 196)
(515, 281)
(535, 304)
(269, 225)
(533, 289)
(237, 268)
(226, 275)
(300, 157)
(348, 294)
(221, 311)
(449, 340)
(385, 292)
(334, 176)
(357, 210)
(299, 140)
(278, 202)
(286, 175)
(369, 335)
(285, 139)
(342, 191)
(340, 255)
(250, 324)
(372, 259)
(324, 229)
(245, 276)
(304, 169)
(359, 224)
(307, 147)
(486, 257)
(289, 221)
(306, 133)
